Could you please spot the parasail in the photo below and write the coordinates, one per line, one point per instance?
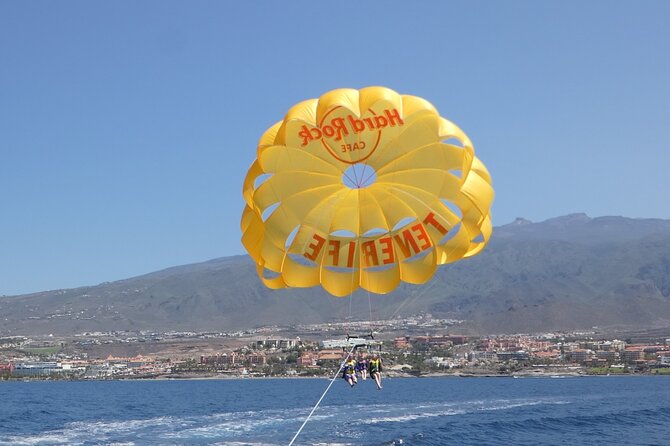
(363, 189)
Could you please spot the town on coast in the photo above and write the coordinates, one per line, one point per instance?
(410, 347)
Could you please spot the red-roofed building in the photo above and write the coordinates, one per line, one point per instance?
(582, 355)
(434, 341)
(551, 354)
(331, 354)
(256, 358)
(307, 359)
(232, 358)
(402, 342)
(632, 355)
(457, 339)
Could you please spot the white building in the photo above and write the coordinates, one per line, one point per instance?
(347, 343)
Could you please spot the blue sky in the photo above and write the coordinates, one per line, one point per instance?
(126, 128)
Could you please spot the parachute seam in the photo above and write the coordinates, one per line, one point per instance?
(410, 153)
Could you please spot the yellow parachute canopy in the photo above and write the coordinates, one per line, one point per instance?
(363, 188)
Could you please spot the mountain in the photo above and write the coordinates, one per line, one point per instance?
(566, 273)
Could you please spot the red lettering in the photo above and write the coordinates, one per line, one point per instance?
(328, 130)
(315, 247)
(431, 220)
(334, 251)
(406, 242)
(393, 117)
(388, 250)
(380, 121)
(341, 128)
(356, 124)
(370, 253)
(305, 134)
(369, 122)
(422, 235)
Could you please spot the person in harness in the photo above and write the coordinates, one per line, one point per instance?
(349, 371)
(362, 367)
(375, 367)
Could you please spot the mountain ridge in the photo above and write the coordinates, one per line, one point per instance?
(568, 272)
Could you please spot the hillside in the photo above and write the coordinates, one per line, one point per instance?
(565, 273)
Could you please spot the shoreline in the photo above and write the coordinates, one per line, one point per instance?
(197, 377)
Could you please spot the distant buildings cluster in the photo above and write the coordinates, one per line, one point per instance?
(234, 359)
(272, 355)
(87, 369)
(434, 341)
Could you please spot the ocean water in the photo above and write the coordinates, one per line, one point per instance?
(413, 411)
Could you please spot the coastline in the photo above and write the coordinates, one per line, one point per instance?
(328, 378)
(392, 375)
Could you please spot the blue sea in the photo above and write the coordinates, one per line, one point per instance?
(410, 411)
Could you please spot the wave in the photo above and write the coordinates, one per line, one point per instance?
(346, 425)
(412, 413)
(263, 425)
(226, 426)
